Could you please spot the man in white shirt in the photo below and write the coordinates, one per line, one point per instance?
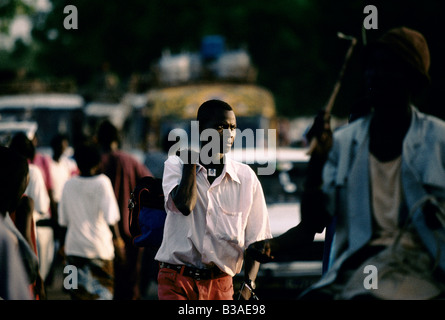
(214, 212)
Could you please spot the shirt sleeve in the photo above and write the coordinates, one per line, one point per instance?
(61, 212)
(109, 203)
(37, 191)
(258, 226)
(171, 178)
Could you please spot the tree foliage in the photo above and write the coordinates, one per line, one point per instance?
(293, 43)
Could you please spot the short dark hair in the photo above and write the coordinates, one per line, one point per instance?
(107, 133)
(87, 156)
(207, 110)
(22, 145)
(13, 170)
(57, 140)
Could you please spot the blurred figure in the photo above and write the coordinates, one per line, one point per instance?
(62, 168)
(36, 190)
(379, 184)
(123, 171)
(18, 264)
(89, 211)
(43, 162)
(154, 160)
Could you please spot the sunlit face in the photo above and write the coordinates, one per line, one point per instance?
(224, 122)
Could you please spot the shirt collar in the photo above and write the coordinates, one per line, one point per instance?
(229, 169)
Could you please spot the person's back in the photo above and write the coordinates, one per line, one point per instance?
(87, 210)
(124, 171)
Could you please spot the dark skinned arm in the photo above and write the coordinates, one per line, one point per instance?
(185, 194)
(314, 216)
(251, 267)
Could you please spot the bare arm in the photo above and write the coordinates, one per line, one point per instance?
(251, 268)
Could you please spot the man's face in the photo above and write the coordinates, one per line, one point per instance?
(224, 122)
(387, 80)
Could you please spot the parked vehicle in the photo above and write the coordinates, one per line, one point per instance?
(9, 128)
(53, 113)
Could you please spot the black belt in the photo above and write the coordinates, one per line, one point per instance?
(45, 223)
(195, 273)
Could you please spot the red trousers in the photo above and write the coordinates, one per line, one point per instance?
(172, 285)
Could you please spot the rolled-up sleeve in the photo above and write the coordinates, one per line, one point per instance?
(171, 178)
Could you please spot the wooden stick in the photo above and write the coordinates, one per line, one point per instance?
(337, 85)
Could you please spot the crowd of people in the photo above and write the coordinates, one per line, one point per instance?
(377, 186)
(69, 208)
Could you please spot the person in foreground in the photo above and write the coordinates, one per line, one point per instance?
(17, 270)
(379, 183)
(215, 209)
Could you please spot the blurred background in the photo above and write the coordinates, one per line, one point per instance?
(147, 65)
(292, 44)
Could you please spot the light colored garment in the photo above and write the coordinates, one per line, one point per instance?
(61, 172)
(229, 215)
(36, 190)
(87, 208)
(14, 284)
(386, 194)
(27, 254)
(346, 181)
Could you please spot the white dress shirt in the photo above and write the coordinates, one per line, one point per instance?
(229, 215)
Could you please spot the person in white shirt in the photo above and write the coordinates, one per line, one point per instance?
(62, 167)
(36, 190)
(89, 210)
(214, 212)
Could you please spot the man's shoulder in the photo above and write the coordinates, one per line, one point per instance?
(123, 156)
(351, 129)
(434, 125)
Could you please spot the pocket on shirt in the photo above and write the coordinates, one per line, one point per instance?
(229, 225)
